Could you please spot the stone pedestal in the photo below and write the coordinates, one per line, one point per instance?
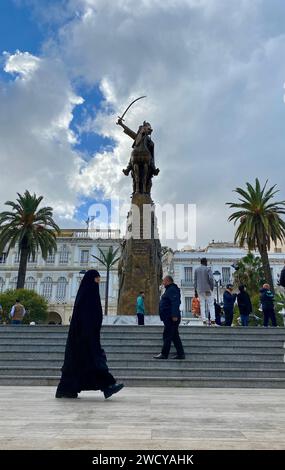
(140, 265)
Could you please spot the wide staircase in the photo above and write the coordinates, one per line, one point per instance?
(215, 357)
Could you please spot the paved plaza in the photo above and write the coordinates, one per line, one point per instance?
(143, 418)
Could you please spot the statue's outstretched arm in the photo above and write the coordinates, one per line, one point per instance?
(127, 130)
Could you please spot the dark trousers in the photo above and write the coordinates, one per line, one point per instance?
(218, 318)
(244, 319)
(140, 318)
(269, 314)
(16, 322)
(171, 334)
(229, 315)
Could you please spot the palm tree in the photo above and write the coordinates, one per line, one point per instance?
(29, 227)
(259, 221)
(249, 271)
(108, 260)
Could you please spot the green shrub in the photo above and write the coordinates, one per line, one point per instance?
(36, 306)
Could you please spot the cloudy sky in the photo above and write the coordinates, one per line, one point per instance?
(213, 72)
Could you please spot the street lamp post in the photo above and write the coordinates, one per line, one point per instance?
(217, 277)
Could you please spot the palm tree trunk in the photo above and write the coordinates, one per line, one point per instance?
(107, 292)
(22, 267)
(266, 265)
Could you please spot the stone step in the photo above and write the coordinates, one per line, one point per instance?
(147, 362)
(133, 341)
(156, 342)
(216, 357)
(133, 348)
(142, 355)
(222, 334)
(155, 372)
(148, 381)
(148, 328)
(202, 372)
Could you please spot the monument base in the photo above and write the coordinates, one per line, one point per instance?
(140, 265)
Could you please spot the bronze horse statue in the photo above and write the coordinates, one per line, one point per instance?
(141, 164)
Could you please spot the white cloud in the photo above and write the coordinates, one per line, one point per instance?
(213, 74)
(22, 63)
(35, 115)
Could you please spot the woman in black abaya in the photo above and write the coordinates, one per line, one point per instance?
(85, 366)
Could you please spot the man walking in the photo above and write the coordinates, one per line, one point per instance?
(204, 286)
(140, 308)
(169, 313)
(17, 313)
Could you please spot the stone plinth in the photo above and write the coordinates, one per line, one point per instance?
(140, 265)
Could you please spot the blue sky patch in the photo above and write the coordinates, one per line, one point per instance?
(18, 29)
(89, 142)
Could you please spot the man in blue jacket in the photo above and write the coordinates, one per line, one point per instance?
(267, 302)
(169, 313)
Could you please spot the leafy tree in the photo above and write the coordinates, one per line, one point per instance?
(249, 271)
(31, 228)
(259, 221)
(165, 249)
(108, 260)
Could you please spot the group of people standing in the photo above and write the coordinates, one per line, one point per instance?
(210, 310)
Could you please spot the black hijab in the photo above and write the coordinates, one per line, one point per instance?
(87, 312)
(85, 366)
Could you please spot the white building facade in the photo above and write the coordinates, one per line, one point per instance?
(57, 278)
(181, 266)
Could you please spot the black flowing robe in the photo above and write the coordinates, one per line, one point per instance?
(85, 366)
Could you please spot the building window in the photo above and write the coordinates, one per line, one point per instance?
(13, 283)
(17, 257)
(84, 257)
(63, 255)
(61, 289)
(30, 283)
(33, 259)
(50, 259)
(102, 289)
(3, 258)
(277, 250)
(47, 288)
(2, 284)
(188, 274)
(226, 275)
(188, 303)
